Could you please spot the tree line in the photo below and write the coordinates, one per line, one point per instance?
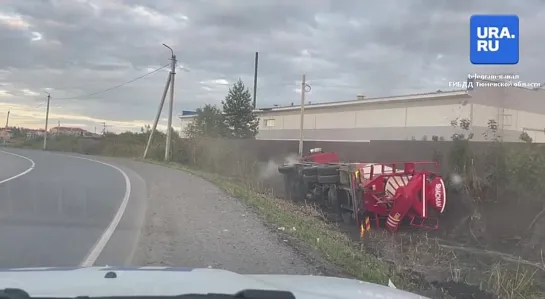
(235, 119)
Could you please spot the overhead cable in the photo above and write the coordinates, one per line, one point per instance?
(114, 87)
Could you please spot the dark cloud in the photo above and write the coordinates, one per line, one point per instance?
(345, 47)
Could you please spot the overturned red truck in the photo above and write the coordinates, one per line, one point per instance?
(389, 193)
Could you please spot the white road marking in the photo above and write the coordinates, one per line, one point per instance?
(92, 256)
(22, 173)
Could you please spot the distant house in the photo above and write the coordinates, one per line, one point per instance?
(32, 133)
(5, 134)
(68, 131)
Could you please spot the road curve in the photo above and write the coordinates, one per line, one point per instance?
(13, 166)
(171, 218)
(59, 210)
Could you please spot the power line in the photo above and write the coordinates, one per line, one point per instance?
(117, 86)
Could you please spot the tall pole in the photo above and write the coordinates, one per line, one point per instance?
(170, 105)
(302, 122)
(46, 120)
(104, 128)
(255, 76)
(7, 120)
(150, 138)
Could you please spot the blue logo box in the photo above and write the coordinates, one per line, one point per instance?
(494, 39)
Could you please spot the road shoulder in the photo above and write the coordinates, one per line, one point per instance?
(191, 222)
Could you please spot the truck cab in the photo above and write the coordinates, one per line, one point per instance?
(318, 156)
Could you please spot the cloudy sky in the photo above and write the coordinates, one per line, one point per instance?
(74, 48)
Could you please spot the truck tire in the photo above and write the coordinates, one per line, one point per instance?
(310, 178)
(285, 169)
(326, 170)
(328, 179)
(294, 188)
(300, 190)
(333, 199)
(348, 218)
(288, 187)
(309, 170)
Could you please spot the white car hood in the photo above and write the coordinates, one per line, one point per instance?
(165, 281)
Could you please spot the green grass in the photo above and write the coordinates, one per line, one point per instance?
(305, 225)
(311, 232)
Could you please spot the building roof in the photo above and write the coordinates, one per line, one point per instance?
(67, 129)
(361, 100)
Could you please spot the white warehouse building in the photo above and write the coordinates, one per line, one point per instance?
(417, 116)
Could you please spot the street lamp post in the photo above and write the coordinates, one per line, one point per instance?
(46, 120)
(170, 104)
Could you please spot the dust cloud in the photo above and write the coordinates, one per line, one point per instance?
(456, 179)
(270, 169)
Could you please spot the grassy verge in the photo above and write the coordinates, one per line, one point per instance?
(305, 224)
(380, 257)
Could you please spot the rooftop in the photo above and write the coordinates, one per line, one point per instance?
(67, 129)
(363, 100)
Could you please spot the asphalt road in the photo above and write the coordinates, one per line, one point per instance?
(58, 210)
(61, 209)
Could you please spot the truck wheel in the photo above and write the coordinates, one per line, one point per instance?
(310, 170)
(288, 187)
(310, 178)
(327, 170)
(348, 218)
(333, 199)
(300, 190)
(328, 179)
(285, 169)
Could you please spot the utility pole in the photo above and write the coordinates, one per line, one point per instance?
(104, 128)
(255, 76)
(46, 120)
(304, 89)
(169, 85)
(7, 120)
(170, 106)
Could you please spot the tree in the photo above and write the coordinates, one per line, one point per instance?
(240, 119)
(209, 122)
(524, 136)
(145, 129)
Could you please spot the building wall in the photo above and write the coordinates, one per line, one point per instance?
(401, 120)
(514, 109)
(185, 120)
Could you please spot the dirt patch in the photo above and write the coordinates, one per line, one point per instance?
(463, 291)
